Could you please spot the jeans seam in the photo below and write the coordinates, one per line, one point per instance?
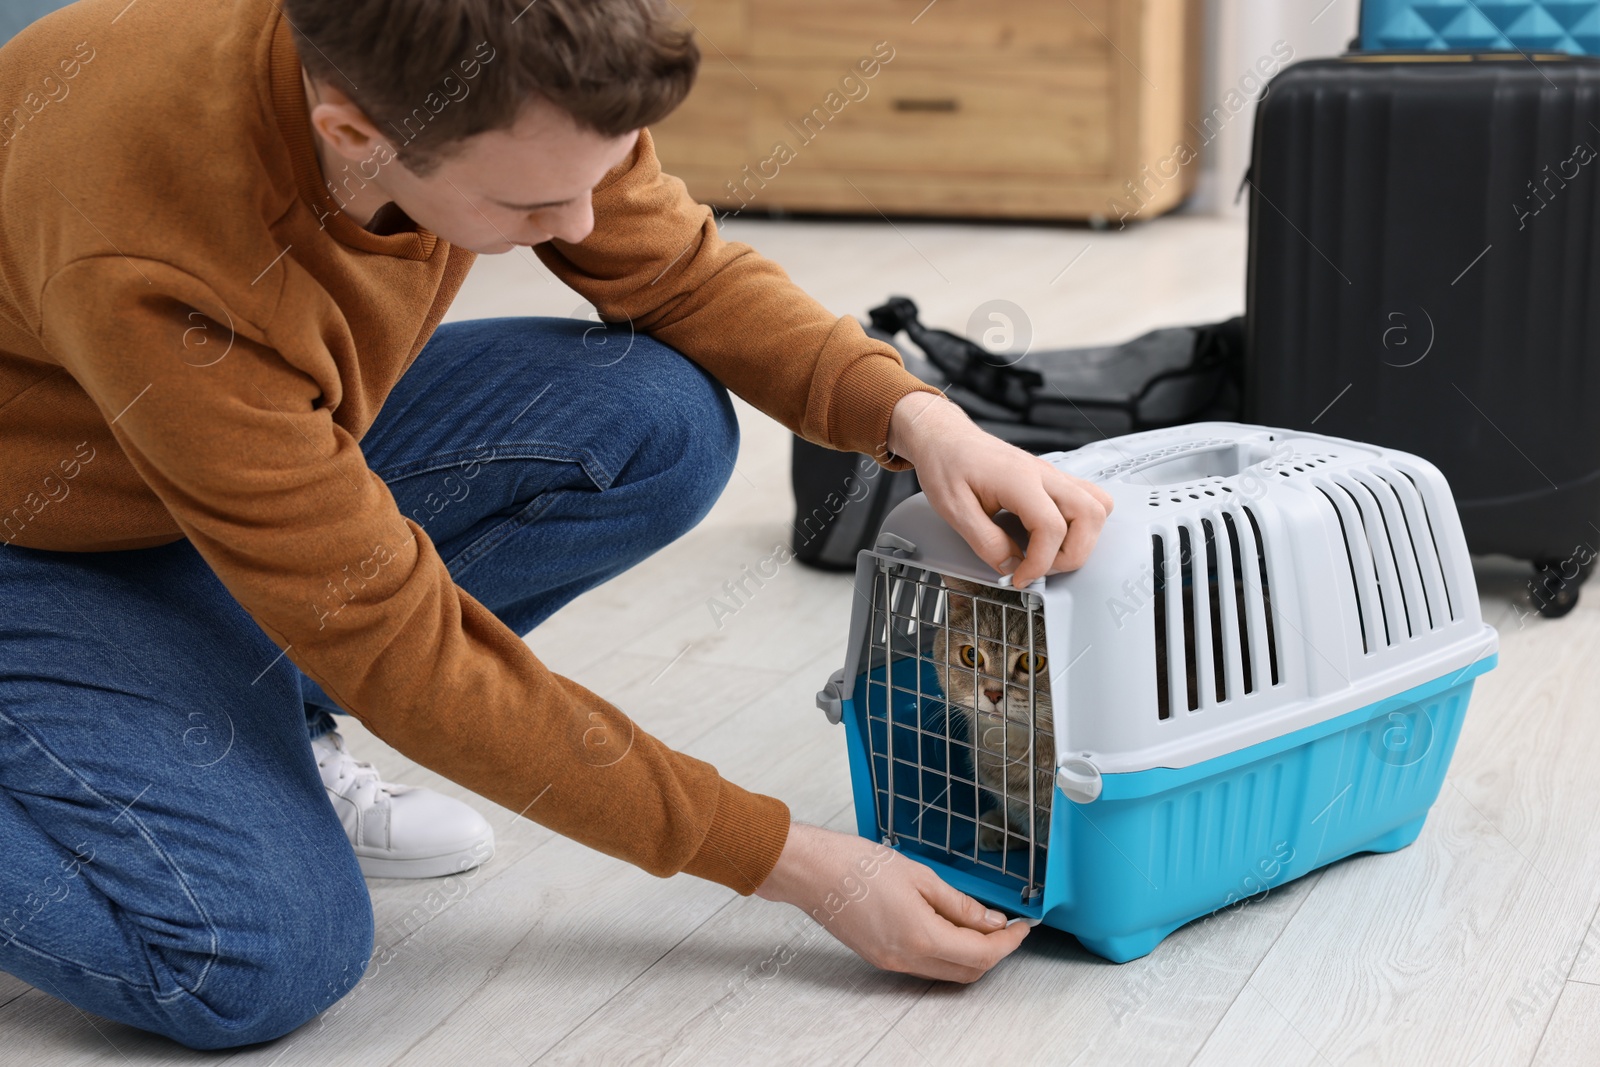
(489, 540)
(587, 461)
(67, 961)
(149, 839)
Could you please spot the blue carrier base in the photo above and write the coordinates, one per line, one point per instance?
(1160, 848)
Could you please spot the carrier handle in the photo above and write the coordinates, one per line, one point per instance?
(1152, 459)
(1121, 471)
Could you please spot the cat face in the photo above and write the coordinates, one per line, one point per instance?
(985, 660)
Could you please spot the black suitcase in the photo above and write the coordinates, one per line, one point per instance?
(1424, 273)
(1043, 402)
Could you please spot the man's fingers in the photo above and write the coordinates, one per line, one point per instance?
(957, 907)
(992, 544)
(976, 938)
(965, 955)
(1087, 516)
(1047, 529)
(1097, 492)
(1001, 945)
(1053, 475)
(1062, 514)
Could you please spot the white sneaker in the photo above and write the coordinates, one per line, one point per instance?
(399, 831)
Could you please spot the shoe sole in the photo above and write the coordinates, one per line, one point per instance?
(427, 866)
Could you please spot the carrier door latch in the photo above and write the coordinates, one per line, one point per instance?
(1079, 779)
(894, 545)
(830, 698)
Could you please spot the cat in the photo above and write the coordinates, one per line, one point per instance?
(991, 697)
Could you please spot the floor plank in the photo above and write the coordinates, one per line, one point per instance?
(1573, 1038)
(1586, 961)
(11, 988)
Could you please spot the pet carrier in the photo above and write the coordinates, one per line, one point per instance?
(1263, 668)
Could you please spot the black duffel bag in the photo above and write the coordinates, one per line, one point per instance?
(1051, 401)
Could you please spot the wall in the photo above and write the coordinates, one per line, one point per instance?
(1239, 34)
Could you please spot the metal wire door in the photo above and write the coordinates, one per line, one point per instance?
(924, 760)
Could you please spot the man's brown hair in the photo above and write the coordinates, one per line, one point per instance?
(430, 73)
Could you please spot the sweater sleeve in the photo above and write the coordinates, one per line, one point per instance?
(655, 260)
(279, 501)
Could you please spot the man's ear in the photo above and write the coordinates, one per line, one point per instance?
(344, 126)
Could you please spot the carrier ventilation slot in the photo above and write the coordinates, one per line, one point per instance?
(1163, 684)
(1395, 573)
(1216, 583)
(1264, 602)
(1214, 638)
(1191, 696)
(1241, 612)
(1425, 547)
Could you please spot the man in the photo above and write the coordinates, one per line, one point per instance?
(247, 480)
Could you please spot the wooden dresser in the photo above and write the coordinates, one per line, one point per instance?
(1060, 109)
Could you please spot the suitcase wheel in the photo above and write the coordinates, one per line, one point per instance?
(1553, 593)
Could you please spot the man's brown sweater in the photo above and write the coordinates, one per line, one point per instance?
(193, 340)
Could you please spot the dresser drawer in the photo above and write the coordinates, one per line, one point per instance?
(1003, 108)
(972, 30)
(1046, 121)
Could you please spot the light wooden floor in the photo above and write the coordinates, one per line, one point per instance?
(1472, 947)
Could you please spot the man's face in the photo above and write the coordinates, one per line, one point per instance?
(494, 191)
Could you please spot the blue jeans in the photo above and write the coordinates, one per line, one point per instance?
(168, 857)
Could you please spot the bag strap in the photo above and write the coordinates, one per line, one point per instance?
(964, 363)
(1217, 355)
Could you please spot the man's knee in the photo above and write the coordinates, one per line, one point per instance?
(688, 442)
(277, 981)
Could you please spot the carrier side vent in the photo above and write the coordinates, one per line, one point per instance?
(1401, 592)
(1419, 528)
(1215, 640)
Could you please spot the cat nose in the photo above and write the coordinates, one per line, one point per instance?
(994, 695)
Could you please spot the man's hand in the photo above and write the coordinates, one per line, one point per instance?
(890, 910)
(969, 475)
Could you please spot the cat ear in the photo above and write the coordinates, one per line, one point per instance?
(960, 599)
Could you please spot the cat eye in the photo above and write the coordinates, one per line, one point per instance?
(1030, 662)
(971, 656)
